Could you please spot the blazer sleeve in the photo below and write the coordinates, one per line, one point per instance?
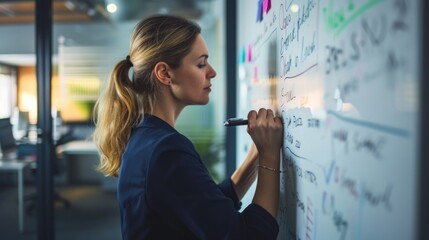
(229, 191)
(184, 196)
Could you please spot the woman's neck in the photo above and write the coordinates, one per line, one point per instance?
(167, 109)
(167, 117)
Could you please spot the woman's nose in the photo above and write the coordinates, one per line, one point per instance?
(212, 72)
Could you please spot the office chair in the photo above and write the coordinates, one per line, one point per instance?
(7, 141)
(32, 198)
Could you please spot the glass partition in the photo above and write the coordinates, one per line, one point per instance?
(89, 37)
(17, 105)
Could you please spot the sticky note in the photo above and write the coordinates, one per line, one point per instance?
(266, 6)
(243, 55)
(249, 53)
(260, 11)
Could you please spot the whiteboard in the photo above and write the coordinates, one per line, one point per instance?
(344, 75)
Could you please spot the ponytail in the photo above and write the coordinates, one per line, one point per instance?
(117, 111)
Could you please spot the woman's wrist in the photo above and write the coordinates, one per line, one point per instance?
(270, 161)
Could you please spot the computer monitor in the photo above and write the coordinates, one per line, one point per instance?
(7, 141)
(21, 122)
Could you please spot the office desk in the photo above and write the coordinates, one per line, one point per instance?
(17, 166)
(87, 153)
(81, 158)
(78, 147)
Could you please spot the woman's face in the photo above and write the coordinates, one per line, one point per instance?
(191, 84)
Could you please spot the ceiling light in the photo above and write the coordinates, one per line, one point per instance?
(111, 7)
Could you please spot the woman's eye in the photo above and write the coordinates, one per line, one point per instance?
(201, 65)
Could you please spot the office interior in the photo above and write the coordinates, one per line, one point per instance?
(88, 38)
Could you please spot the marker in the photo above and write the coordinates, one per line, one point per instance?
(235, 122)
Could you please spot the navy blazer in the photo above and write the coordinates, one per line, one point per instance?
(166, 192)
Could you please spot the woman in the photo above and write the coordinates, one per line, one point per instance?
(164, 189)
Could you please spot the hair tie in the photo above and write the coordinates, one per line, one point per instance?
(129, 61)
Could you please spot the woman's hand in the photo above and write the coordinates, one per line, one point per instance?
(266, 131)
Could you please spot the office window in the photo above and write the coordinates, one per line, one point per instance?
(81, 73)
(7, 91)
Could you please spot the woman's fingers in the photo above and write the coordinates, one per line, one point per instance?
(263, 123)
(270, 114)
(252, 115)
(266, 131)
(262, 113)
(262, 117)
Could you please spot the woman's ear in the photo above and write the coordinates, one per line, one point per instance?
(163, 73)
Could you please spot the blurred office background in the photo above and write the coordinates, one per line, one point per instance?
(89, 37)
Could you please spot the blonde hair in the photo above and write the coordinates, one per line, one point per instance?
(124, 102)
